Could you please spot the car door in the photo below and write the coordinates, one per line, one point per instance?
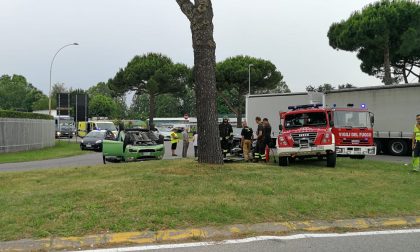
(114, 148)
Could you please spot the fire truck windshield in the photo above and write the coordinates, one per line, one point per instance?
(313, 119)
(351, 119)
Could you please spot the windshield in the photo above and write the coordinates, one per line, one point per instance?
(106, 126)
(66, 122)
(353, 119)
(316, 119)
(96, 134)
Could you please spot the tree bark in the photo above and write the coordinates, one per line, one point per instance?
(387, 66)
(200, 15)
(239, 118)
(152, 108)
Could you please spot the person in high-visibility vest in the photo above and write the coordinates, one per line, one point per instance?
(174, 141)
(416, 145)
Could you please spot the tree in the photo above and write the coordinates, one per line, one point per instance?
(346, 86)
(233, 80)
(101, 106)
(321, 88)
(376, 34)
(200, 16)
(153, 74)
(17, 94)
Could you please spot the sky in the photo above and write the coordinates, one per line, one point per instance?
(292, 34)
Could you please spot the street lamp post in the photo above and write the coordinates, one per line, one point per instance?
(52, 62)
(249, 78)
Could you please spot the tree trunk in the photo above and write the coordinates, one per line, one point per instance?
(387, 66)
(152, 108)
(200, 15)
(239, 118)
(405, 73)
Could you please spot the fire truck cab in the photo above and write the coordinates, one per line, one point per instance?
(315, 131)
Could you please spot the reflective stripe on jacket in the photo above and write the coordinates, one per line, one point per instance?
(417, 132)
(174, 137)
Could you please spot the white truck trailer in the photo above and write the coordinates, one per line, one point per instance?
(395, 108)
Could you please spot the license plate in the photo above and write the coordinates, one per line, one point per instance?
(88, 145)
(146, 153)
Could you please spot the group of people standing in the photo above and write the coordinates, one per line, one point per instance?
(263, 137)
(185, 141)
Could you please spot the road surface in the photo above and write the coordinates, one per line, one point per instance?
(93, 158)
(383, 241)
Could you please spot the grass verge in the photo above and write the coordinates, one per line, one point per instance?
(61, 149)
(177, 194)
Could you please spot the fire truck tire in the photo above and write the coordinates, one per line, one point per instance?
(284, 161)
(331, 159)
(398, 147)
(379, 146)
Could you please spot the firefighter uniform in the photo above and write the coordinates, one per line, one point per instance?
(259, 148)
(416, 150)
(247, 141)
(226, 136)
(266, 140)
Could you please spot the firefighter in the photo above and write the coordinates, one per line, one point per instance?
(226, 135)
(416, 145)
(259, 148)
(266, 137)
(246, 140)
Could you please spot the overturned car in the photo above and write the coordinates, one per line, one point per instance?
(132, 145)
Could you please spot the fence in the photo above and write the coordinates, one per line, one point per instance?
(18, 134)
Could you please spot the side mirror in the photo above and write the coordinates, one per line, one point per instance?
(281, 127)
(372, 118)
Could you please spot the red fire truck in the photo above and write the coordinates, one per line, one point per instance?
(315, 131)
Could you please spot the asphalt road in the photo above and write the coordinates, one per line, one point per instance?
(93, 158)
(407, 242)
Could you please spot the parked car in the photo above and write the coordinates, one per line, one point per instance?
(94, 139)
(165, 132)
(132, 145)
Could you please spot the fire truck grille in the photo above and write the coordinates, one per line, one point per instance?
(311, 136)
(355, 141)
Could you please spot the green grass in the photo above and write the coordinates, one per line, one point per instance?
(62, 149)
(164, 194)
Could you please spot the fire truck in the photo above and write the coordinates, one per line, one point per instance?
(316, 131)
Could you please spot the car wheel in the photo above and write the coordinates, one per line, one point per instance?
(398, 147)
(331, 159)
(284, 161)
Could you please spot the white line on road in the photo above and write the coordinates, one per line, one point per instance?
(254, 239)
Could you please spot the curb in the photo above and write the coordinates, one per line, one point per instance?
(226, 232)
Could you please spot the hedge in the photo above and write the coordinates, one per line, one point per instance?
(15, 114)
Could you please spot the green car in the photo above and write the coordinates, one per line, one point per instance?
(132, 145)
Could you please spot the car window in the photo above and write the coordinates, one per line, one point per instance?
(96, 134)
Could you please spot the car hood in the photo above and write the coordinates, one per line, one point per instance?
(91, 140)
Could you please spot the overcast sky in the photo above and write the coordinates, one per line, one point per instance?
(292, 34)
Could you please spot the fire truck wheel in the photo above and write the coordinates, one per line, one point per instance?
(331, 159)
(284, 161)
(398, 147)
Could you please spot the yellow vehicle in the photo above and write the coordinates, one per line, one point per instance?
(85, 127)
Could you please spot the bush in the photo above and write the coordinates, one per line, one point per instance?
(15, 114)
